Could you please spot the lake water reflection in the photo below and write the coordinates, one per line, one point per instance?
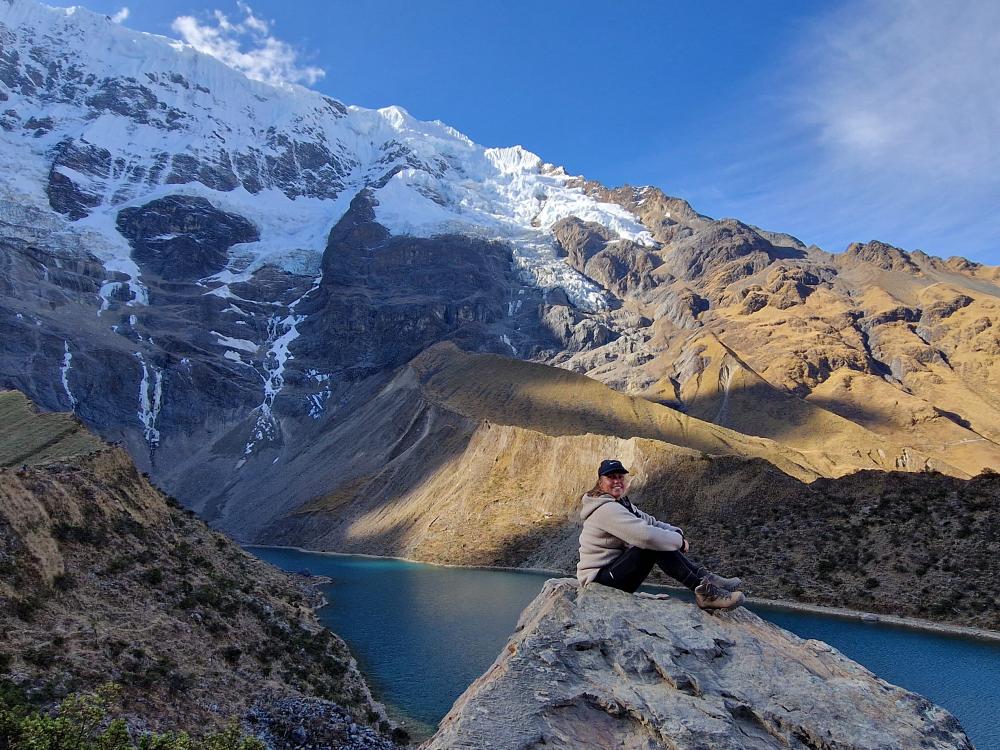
(422, 633)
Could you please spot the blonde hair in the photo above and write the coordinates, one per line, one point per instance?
(596, 490)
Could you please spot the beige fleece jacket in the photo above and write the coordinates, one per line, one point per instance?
(609, 528)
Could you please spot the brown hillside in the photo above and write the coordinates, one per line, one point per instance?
(556, 402)
(103, 578)
(741, 326)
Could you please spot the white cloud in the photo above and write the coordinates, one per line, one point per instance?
(248, 46)
(880, 123)
(907, 85)
(121, 15)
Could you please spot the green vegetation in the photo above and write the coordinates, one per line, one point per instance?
(153, 576)
(84, 721)
(25, 607)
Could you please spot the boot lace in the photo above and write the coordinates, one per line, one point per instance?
(710, 591)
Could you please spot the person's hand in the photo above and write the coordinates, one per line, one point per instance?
(685, 546)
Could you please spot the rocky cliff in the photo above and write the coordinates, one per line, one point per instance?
(103, 578)
(599, 668)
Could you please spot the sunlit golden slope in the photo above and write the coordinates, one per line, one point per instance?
(475, 458)
(29, 437)
(750, 329)
(560, 402)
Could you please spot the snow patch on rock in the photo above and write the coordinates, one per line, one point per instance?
(64, 374)
(228, 341)
(150, 400)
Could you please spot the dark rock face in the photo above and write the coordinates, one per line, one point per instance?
(123, 96)
(90, 163)
(301, 167)
(620, 266)
(181, 237)
(623, 267)
(580, 240)
(383, 299)
(84, 158)
(575, 330)
(66, 197)
(215, 171)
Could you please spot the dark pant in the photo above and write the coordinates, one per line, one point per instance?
(633, 565)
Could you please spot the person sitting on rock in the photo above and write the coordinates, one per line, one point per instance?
(620, 544)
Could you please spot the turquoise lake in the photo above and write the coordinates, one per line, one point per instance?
(422, 633)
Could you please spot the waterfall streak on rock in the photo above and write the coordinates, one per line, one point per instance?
(150, 401)
(64, 373)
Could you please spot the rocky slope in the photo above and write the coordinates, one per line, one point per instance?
(746, 325)
(598, 668)
(230, 277)
(103, 578)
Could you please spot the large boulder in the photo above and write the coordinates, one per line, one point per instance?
(600, 668)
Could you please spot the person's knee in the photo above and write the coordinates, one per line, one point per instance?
(649, 555)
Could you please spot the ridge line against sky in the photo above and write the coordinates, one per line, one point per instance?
(838, 122)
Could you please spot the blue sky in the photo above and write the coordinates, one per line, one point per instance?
(835, 121)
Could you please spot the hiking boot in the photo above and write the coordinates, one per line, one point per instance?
(730, 584)
(710, 596)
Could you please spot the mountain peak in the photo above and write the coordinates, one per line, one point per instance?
(133, 117)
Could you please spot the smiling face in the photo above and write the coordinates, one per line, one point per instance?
(614, 484)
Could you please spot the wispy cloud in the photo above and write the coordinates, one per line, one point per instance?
(121, 15)
(883, 123)
(247, 45)
(907, 85)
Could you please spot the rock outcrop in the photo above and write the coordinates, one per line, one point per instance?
(599, 668)
(182, 238)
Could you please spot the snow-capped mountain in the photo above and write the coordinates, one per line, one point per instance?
(101, 118)
(224, 274)
(197, 235)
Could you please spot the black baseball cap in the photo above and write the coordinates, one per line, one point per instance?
(611, 466)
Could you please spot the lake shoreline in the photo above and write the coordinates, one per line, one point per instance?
(874, 618)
